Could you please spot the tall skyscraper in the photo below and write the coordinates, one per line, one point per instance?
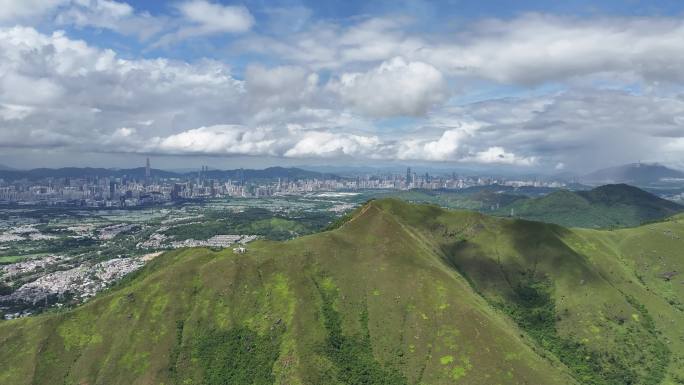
(112, 189)
(147, 171)
(408, 176)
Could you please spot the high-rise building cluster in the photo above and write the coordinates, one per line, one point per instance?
(128, 191)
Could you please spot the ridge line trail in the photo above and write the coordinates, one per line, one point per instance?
(363, 211)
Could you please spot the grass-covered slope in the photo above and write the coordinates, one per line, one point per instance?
(566, 294)
(617, 205)
(397, 294)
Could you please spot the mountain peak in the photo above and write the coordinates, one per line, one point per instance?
(627, 194)
(401, 294)
(640, 174)
(612, 205)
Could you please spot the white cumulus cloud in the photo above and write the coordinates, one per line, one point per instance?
(328, 144)
(538, 48)
(214, 17)
(18, 10)
(77, 91)
(221, 139)
(113, 15)
(202, 18)
(497, 154)
(444, 148)
(326, 90)
(394, 88)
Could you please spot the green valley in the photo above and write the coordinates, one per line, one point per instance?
(396, 293)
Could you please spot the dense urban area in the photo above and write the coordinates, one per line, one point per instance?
(66, 234)
(56, 256)
(145, 186)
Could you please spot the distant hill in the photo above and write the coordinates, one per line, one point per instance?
(639, 174)
(397, 294)
(139, 173)
(617, 205)
(478, 198)
(267, 173)
(530, 191)
(487, 199)
(5, 168)
(79, 172)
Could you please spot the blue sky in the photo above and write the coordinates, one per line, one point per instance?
(435, 16)
(526, 85)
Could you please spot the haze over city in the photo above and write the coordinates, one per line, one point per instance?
(526, 85)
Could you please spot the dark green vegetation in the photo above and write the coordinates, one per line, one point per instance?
(397, 294)
(607, 206)
(255, 221)
(4, 289)
(353, 355)
(236, 356)
(534, 310)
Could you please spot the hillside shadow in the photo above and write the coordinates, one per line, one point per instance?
(483, 273)
(540, 247)
(530, 251)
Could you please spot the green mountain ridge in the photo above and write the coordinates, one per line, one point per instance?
(396, 294)
(617, 205)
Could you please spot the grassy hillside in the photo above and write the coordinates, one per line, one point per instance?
(397, 294)
(606, 206)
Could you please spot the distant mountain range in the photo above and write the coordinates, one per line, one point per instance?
(617, 205)
(268, 173)
(139, 173)
(608, 206)
(639, 174)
